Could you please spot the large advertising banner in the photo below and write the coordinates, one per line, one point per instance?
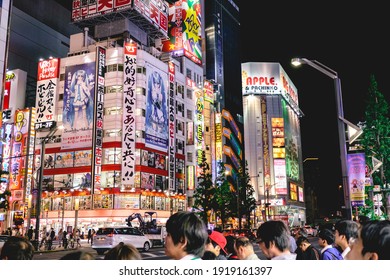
(172, 121)
(78, 111)
(356, 178)
(156, 115)
(155, 11)
(185, 30)
(129, 106)
(46, 96)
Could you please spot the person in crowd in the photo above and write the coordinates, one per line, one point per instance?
(230, 247)
(92, 235)
(326, 241)
(123, 251)
(301, 255)
(89, 235)
(186, 236)
(78, 255)
(59, 237)
(362, 219)
(208, 255)
(372, 243)
(64, 239)
(50, 239)
(216, 243)
(293, 244)
(17, 248)
(346, 231)
(30, 233)
(77, 237)
(309, 252)
(273, 239)
(244, 249)
(43, 237)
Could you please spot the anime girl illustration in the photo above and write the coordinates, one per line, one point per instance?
(81, 91)
(157, 118)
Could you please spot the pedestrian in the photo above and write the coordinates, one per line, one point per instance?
(123, 251)
(230, 248)
(372, 243)
(59, 237)
(309, 252)
(43, 237)
(216, 243)
(186, 236)
(208, 255)
(92, 235)
(50, 239)
(30, 233)
(244, 249)
(65, 239)
(89, 235)
(301, 255)
(273, 239)
(326, 241)
(346, 231)
(77, 237)
(17, 248)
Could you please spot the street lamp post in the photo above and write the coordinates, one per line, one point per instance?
(341, 126)
(53, 130)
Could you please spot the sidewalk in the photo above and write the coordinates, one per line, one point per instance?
(55, 247)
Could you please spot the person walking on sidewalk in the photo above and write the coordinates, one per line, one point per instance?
(89, 235)
(30, 233)
(51, 237)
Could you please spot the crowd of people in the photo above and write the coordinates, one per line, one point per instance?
(189, 239)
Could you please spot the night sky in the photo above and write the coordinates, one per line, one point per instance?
(351, 40)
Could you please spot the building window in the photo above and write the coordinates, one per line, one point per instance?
(189, 114)
(189, 93)
(140, 134)
(112, 133)
(113, 111)
(189, 73)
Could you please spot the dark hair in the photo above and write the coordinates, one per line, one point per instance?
(78, 255)
(302, 239)
(187, 226)
(208, 255)
(375, 236)
(274, 231)
(242, 241)
(230, 239)
(348, 228)
(363, 219)
(123, 251)
(17, 248)
(327, 234)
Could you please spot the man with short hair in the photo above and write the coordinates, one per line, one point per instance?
(325, 241)
(372, 243)
(273, 239)
(346, 231)
(17, 248)
(186, 236)
(244, 249)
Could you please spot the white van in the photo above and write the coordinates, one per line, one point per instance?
(108, 237)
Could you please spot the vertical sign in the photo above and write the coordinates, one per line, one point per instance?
(98, 120)
(266, 153)
(172, 119)
(129, 106)
(356, 177)
(47, 81)
(199, 127)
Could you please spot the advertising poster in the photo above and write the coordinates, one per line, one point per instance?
(156, 115)
(356, 178)
(64, 160)
(147, 181)
(79, 96)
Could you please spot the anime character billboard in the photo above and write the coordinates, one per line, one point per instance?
(79, 94)
(156, 118)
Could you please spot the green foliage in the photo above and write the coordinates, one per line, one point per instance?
(248, 202)
(376, 139)
(204, 192)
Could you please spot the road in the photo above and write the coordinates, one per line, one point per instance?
(153, 254)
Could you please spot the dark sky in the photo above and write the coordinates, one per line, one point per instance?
(351, 39)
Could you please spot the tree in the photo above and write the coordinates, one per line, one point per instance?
(204, 193)
(223, 197)
(376, 136)
(248, 202)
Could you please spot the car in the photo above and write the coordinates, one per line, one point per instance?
(310, 230)
(3, 239)
(108, 237)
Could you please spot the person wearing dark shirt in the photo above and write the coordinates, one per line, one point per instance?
(308, 251)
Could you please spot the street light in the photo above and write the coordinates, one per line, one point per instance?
(52, 131)
(341, 126)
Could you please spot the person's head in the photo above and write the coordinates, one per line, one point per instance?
(325, 237)
(123, 251)
(372, 243)
(299, 233)
(303, 243)
(230, 245)
(273, 238)
(363, 219)
(345, 232)
(244, 247)
(216, 243)
(17, 248)
(78, 255)
(208, 255)
(186, 234)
